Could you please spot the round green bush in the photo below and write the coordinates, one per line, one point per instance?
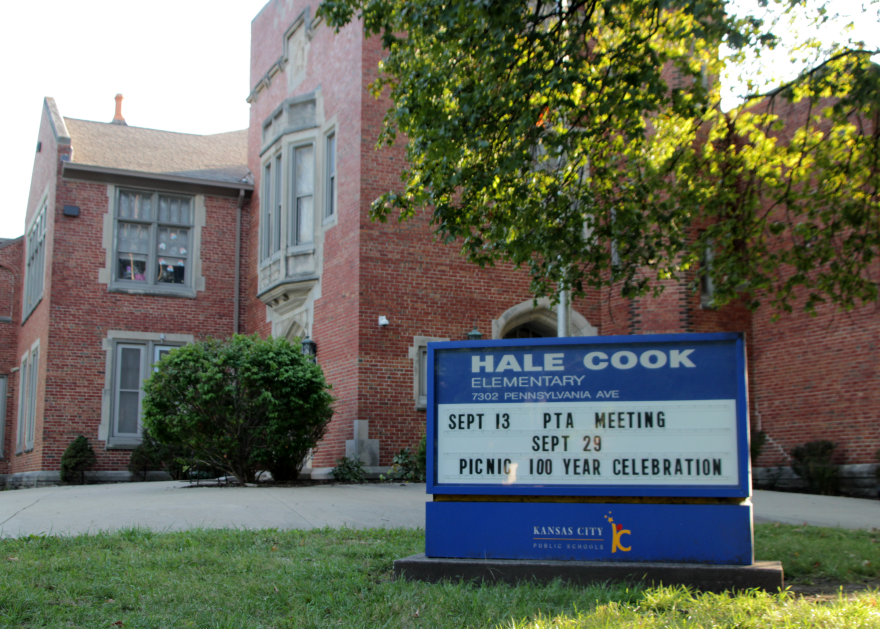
(241, 405)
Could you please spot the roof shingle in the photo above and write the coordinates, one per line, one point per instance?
(219, 157)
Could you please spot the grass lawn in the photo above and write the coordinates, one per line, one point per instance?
(342, 578)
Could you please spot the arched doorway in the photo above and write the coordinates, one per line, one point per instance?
(537, 320)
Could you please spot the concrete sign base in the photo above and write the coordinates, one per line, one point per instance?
(764, 575)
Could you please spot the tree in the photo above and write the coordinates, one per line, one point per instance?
(76, 459)
(584, 140)
(240, 405)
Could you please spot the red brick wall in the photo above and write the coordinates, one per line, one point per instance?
(334, 64)
(83, 310)
(47, 169)
(10, 300)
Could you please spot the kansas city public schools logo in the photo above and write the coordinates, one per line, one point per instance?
(617, 531)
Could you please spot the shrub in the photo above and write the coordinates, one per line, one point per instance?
(348, 471)
(812, 462)
(150, 455)
(77, 458)
(239, 405)
(422, 457)
(756, 444)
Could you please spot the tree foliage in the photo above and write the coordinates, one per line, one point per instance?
(584, 140)
(240, 405)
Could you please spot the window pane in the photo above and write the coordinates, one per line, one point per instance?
(136, 205)
(266, 204)
(171, 271)
(276, 241)
(173, 242)
(133, 238)
(132, 267)
(305, 220)
(305, 171)
(129, 403)
(130, 369)
(184, 211)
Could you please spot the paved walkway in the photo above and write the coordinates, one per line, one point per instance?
(847, 513)
(169, 506)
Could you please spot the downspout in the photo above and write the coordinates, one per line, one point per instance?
(236, 309)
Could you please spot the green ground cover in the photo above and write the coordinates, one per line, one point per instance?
(342, 578)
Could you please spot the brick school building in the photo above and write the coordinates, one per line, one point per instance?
(137, 241)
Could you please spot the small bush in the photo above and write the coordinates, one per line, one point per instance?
(348, 471)
(422, 457)
(405, 467)
(756, 444)
(239, 405)
(77, 458)
(812, 462)
(149, 456)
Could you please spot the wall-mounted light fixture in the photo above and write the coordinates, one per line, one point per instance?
(310, 349)
(383, 321)
(474, 335)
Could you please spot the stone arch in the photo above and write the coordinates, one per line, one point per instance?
(540, 316)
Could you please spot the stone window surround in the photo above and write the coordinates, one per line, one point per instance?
(420, 343)
(43, 211)
(28, 383)
(284, 144)
(109, 345)
(4, 382)
(107, 274)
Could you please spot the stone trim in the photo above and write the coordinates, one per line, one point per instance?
(542, 311)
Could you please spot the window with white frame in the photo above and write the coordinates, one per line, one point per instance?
(132, 362)
(33, 380)
(302, 218)
(28, 377)
(22, 405)
(36, 262)
(271, 203)
(3, 384)
(153, 246)
(330, 194)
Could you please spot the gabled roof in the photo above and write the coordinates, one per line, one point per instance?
(220, 158)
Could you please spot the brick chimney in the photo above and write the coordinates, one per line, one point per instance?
(118, 119)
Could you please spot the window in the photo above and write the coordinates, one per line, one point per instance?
(303, 195)
(132, 363)
(22, 406)
(36, 262)
(707, 284)
(419, 355)
(2, 413)
(271, 203)
(33, 379)
(153, 240)
(28, 377)
(330, 196)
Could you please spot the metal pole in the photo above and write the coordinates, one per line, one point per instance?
(562, 314)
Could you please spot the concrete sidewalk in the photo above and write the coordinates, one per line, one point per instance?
(847, 513)
(170, 506)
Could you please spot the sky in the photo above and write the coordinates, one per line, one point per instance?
(181, 65)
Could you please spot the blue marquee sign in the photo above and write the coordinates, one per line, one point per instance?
(636, 417)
